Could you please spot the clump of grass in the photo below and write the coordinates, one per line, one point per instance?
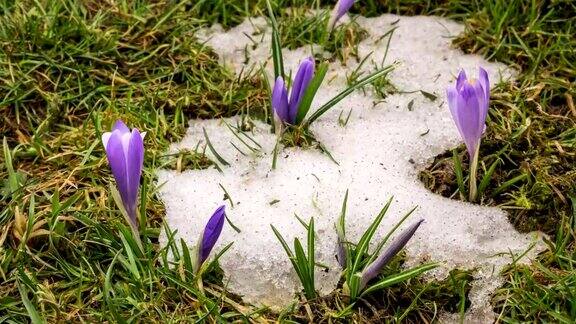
(300, 27)
(185, 160)
(545, 290)
(412, 301)
(294, 136)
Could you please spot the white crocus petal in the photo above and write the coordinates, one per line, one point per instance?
(143, 134)
(125, 138)
(106, 138)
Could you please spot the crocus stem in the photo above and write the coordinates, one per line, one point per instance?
(473, 170)
(200, 284)
(136, 235)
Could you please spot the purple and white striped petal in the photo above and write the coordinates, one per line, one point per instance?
(468, 101)
(125, 153)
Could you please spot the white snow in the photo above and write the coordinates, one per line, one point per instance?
(380, 152)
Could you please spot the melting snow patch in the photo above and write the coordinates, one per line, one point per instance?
(379, 153)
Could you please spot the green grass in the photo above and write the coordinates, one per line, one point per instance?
(69, 68)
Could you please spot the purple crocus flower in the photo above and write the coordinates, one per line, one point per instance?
(125, 152)
(372, 270)
(340, 9)
(211, 234)
(286, 109)
(468, 102)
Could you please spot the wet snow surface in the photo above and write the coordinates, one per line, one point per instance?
(379, 153)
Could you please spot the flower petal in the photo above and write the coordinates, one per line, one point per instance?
(106, 138)
(342, 7)
(460, 80)
(117, 160)
(212, 232)
(301, 82)
(280, 100)
(485, 83)
(134, 163)
(120, 126)
(452, 96)
(468, 115)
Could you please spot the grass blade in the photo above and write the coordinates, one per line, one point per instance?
(459, 174)
(276, 45)
(487, 177)
(211, 148)
(509, 183)
(12, 176)
(32, 311)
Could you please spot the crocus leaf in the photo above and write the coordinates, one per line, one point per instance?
(362, 247)
(186, 257)
(131, 263)
(283, 242)
(214, 152)
(118, 200)
(369, 79)
(354, 285)
(398, 277)
(217, 257)
(311, 252)
(12, 176)
(306, 101)
(341, 248)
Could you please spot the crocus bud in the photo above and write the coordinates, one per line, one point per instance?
(468, 102)
(211, 234)
(125, 152)
(286, 109)
(372, 270)
(340, 9)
